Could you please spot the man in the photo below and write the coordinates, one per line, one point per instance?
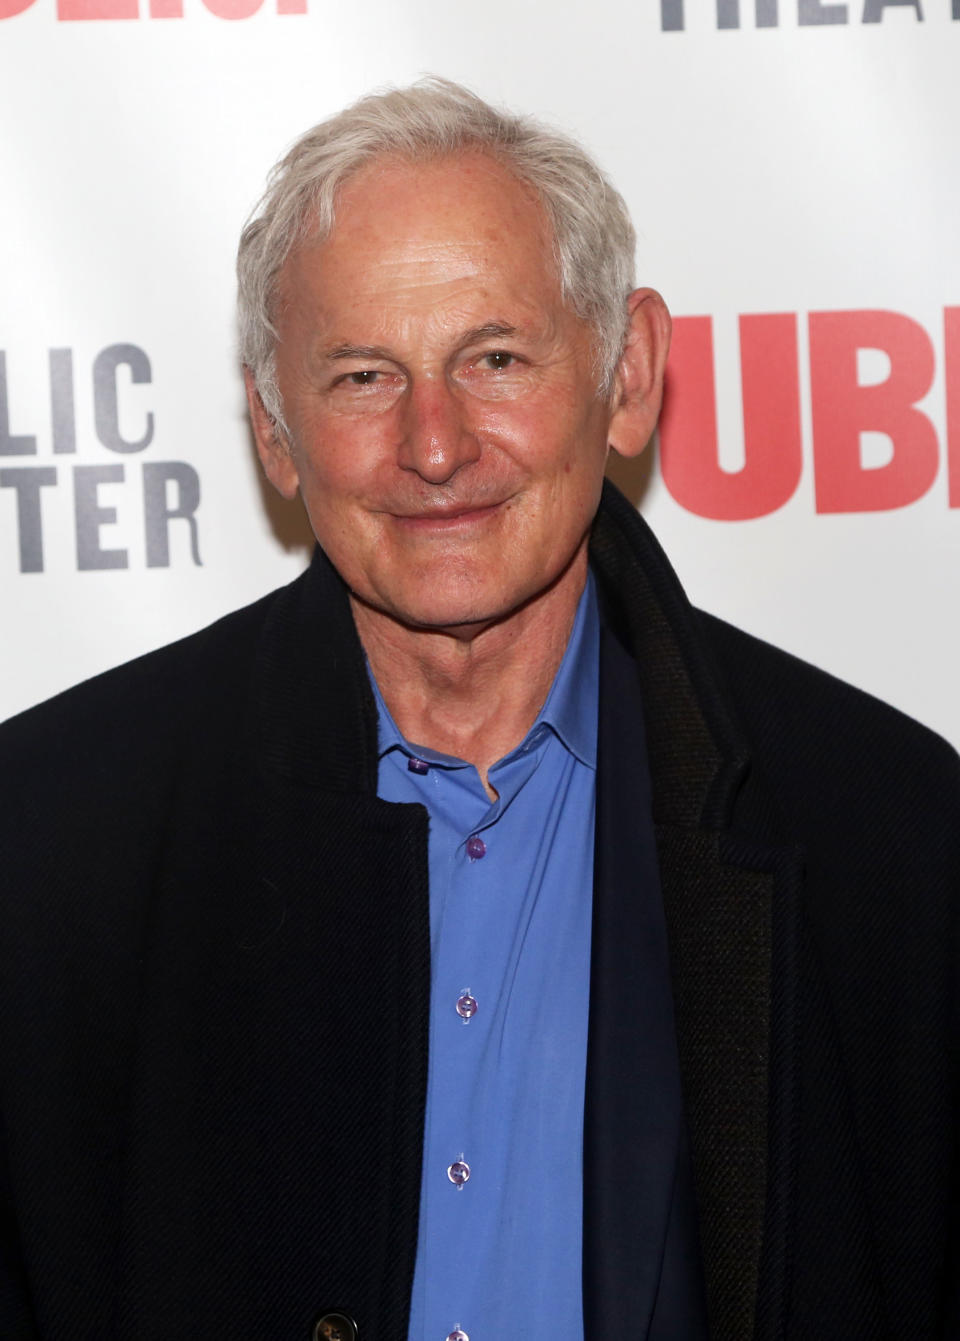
(472, 940)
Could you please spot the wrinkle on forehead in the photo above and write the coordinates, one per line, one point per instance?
(416, 213)
(424, 274)
(443, 246)
(428, 262)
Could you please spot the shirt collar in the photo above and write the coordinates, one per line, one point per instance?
(570, 710)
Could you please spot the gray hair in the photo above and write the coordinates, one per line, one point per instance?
(594, 240)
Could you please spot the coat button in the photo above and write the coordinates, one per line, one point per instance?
(335, 1327)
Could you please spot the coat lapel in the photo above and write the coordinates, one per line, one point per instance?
(636, 1157)
(730, 908)
(720, 920)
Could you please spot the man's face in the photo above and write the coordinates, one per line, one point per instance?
(446, 431)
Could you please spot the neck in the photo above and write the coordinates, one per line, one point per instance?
(472, 695)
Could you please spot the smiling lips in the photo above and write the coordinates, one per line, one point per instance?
(445, 518)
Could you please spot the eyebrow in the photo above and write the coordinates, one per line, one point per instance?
(490, 330)
(359, 352)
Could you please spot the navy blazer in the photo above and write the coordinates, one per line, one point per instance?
(214, 985)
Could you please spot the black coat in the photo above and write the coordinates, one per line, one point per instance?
(214, 986)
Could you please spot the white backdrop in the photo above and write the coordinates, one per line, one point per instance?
(789, 170)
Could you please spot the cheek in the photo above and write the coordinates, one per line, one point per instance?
(542, 440)
(340, 461)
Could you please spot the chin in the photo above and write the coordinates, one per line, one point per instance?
(444, 606)
(432, 592)
(449, 616)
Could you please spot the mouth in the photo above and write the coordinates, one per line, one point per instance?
(450, 517)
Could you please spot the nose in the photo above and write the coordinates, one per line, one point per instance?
(435, 438)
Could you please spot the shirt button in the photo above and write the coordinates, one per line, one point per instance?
(335, 1327)
(466, 1006)
(418, 766)
(476, 847)
(458, 1173)
(458, 1334)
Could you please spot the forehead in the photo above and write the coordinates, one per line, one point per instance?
(471, 193)
(430, 232)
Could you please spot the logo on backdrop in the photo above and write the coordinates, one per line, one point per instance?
(168, 492)
(848, 414)
(156, 9)
(809, 13)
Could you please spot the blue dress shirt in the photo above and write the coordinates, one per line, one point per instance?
(511, 885)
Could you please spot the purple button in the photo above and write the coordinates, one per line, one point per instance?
(418, 766)
(466, 1006)
(476, 847)
(458, 1173)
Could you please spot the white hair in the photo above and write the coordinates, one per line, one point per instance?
(594, 240)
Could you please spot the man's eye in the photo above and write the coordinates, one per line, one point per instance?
(363, 377)
(498, 359)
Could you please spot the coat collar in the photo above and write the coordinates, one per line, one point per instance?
(698, 757)
(314, 720)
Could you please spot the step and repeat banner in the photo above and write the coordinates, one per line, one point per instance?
(793, 171)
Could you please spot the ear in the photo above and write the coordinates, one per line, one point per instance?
(638, 388)
(273, 447)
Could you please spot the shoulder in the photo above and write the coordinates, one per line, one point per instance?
(781, 694)
(104, 784)
(840, 761)
(137, 713)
